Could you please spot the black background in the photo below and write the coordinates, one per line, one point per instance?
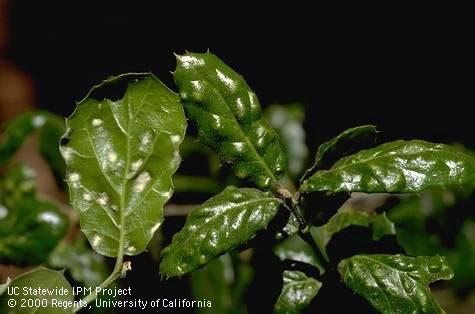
(411, 76)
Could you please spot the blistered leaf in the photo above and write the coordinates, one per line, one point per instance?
(396, 167)
(58, 299)
(288, 120)
(85, 266)
(343, 144)
(297, 292)
(121, 155)
(223, 222)
(395, 283)
(228, 117)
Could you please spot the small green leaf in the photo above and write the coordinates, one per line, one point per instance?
(297, 292)
(339, 144)
(296, 249)
(396, 167)
(30, 230)
(228, 117)
(396, 283)
(86, 267)
(121, 155)
(219, 225)
(288, 123)
(18, 129)
(58, 299)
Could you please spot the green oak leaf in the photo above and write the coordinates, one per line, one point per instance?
(297, 292)
(340, 144)
(220, 224)
(120, 156)
(61, 293)
(228, 117)
(287, 120)
(396, 167)
(396, 283)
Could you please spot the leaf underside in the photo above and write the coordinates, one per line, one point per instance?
(120, 158)
(228, 117)
(220, 224)
(396, 283)
(396, 167)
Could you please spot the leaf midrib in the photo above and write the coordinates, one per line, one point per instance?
(376, 158)
(244, 135)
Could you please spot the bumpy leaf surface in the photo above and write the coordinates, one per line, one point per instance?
(396, 167)
(297, 292)
(228, 118)
(217, 226)
(120, 156)
(395, 283)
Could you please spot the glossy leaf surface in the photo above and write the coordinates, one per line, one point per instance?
(220, 224)
(287, 120)
(297, 292)
(121, 155)
(396, 167)
(228, 117)
(395, 283)
(39, 278)
(338, 144)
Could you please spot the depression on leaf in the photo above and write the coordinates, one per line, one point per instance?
(121, 155)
